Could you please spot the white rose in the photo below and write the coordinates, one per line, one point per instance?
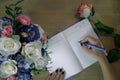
(8, 68)
(85, 9)
(9, 46)
(40, 63)
(86, 12)
(32, 51)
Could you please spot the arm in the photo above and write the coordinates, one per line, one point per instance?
(107, 69)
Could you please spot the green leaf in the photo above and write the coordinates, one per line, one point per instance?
(92, 12)
(19, 12)
(17, 8)
(19, 1)
(8, 12)
(117, 40)
(104, 27)
(113, 55)
(11, 5)
(8, 8)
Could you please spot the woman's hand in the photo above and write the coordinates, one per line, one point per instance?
(57, 75)
(107, 69)
(95, 53)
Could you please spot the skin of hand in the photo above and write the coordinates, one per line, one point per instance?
(95, 53)
(59, 74)
(107, 69)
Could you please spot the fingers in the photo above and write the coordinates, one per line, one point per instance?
(91, 40)
(57, 75)
(49, 77)
(60, 75)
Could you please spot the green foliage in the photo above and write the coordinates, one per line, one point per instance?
(92, 12)
(113, 55)
(19, 1)
(12, 10)
(100, 26)
(117, 40)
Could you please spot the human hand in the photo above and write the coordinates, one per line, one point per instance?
(95, 53)
(57, 75)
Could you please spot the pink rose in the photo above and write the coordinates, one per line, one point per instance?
(24, 19)
(24, 43)
(24, 34)
(12, 78)
(84, 9)
(7, 31)
(3, 79)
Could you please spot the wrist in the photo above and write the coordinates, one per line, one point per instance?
(101, 55)
(102, 58)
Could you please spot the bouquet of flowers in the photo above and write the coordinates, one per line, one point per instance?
(23, 45)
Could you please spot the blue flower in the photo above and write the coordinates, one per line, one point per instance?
(4, 21)
(24, 76)
(32, 33)
(23, 65)
(3, 58)
(18, 57)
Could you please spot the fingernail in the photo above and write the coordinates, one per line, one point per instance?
(89, 47)
(81, 44)
(51, 74)
(56, 70)
(63, 72)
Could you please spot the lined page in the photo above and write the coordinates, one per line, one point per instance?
(62, 56)
(76, 33)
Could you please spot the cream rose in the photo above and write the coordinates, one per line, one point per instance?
(40, 63)
(8, 68)
(32, 50)
(9, 46)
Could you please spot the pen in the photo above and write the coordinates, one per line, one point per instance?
(93, 46)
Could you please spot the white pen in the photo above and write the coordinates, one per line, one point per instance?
(93, 46)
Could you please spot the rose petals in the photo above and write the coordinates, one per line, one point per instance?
(12, 78)
(84, 9)
(7, 31)
(24, 19)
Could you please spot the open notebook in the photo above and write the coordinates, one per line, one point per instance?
(67, 53)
